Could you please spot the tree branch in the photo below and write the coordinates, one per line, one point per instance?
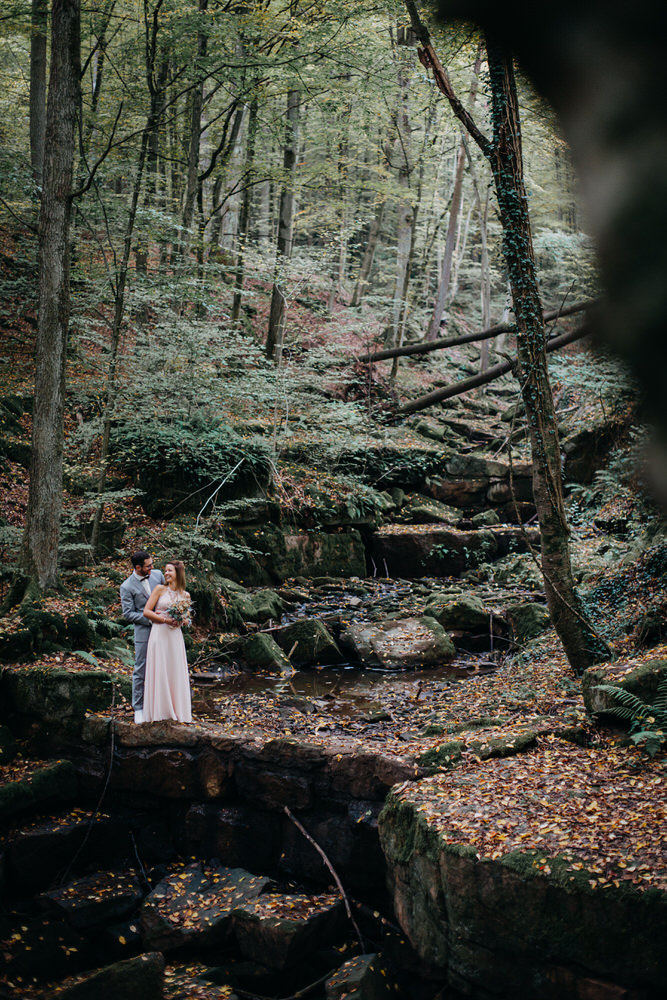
(429, 60)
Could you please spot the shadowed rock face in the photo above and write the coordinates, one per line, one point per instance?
(600, 64)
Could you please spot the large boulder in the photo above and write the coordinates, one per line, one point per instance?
(59, 698)
(402, 551)
(259, 607)
(279, 930)
(195, 905)
(528, 620)
(402, 644)
(270, 554)
(463, 612)
(530, 922)
(262, 652)
(308, 643)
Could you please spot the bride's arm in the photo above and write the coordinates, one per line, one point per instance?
(152, 615)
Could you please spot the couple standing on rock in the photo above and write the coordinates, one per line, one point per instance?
(158, 605)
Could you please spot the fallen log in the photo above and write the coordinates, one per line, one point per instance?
(470, 338)
(458, 388)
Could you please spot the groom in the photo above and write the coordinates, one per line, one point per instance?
(134, 593)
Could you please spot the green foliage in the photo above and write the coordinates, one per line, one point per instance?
(179, 464)
(648, 723)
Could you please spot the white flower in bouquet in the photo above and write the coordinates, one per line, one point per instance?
(182, 611)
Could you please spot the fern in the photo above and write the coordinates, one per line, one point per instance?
(88, 657)
(648, 723)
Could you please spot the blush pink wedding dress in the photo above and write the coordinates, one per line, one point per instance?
(167, 684)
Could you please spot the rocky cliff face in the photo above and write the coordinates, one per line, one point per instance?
(511, 927)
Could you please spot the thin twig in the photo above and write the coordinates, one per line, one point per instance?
(338, 882)
(112, 730)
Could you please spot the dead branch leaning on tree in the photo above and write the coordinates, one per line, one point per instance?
(471, 338)
(458, 388)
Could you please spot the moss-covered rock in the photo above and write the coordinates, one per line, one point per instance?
(485, 519)
(539, 925)
(642, 680)
(527, 620)
(419, 509)
(463, 612)
(47, 785)
(262, 652)
(58, 698)
(445, 755)
(308, 643)
(259, 607)
(270, 554)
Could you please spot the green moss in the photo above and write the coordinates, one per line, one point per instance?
(54, 783)
(58, 697)
(444, 756)
(261, 652)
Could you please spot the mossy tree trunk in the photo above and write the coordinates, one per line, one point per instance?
(39, 552)
(582, 645)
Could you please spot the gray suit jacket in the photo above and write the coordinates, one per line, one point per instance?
(133, 599)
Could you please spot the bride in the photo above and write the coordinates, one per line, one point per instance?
(167, 688)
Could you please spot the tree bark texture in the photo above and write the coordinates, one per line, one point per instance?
(38, 37)
(39, 553)
(274, 340)
(582, 646)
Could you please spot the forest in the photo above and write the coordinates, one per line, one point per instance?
(325, 301)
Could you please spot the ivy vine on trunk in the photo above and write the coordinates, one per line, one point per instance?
(582, 645)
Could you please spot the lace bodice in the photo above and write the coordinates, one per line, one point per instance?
(166, 599)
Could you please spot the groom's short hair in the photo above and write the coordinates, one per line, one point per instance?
(139, 558)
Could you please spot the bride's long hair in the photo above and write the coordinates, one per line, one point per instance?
(179, 569)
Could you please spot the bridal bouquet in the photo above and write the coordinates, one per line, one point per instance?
(182, 612)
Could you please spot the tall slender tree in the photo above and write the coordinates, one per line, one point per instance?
(582, 645)
(274, 340)
(39, 552)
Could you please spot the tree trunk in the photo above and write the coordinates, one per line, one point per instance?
(485, 284)
(196, 106)
(582, 646)
(443, 285)
(39, 552)
(369, 254)
(244, 215)
(405, 227)
(38, 33)
(274, 340)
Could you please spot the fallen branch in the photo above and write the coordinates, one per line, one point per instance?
(338, 882)
(471, 338)
(440, 395)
